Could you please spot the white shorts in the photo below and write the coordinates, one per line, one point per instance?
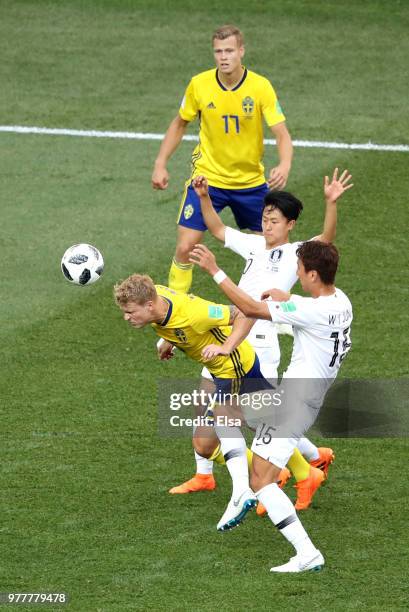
(278, 451)
(281, 425)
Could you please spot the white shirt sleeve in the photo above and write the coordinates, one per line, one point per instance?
(241, 243)
(298, 311)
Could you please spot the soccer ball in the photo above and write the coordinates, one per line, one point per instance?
(82, 264)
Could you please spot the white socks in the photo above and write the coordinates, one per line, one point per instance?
(283, 515)
(308, 449)
(233, 448)
(203, 465)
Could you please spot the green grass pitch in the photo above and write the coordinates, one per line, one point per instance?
(84, 476)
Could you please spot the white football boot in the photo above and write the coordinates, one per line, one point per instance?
(236, 510)
(301, 563)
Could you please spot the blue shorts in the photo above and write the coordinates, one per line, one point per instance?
(251, 382)
(246, 205)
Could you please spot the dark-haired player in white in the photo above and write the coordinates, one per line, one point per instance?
(271, 261)
(321, 325)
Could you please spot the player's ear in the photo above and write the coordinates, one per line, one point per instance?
(242, 51)
(291, 224)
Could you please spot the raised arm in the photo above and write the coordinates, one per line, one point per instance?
(332, 192)
(171, 141)
(205, 259)
(214, 224)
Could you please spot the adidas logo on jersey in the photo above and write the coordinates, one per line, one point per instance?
(211, 105)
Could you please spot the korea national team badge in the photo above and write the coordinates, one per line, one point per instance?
(188, 212)
(274, 259)
(248, 106)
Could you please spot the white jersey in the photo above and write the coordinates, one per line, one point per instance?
(264, 269)
(321, 333)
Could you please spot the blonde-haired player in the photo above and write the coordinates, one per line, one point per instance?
(192, 325)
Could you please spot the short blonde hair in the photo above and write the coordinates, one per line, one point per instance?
(138, 288)
(226, 31)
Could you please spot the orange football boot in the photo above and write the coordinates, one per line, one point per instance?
(307, 488)
(283, 478)
(327, 456)
(199, 482)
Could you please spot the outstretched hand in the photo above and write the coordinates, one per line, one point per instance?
(334, 189)
(201, 186)
(204, 258)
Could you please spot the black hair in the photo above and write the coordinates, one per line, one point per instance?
(320, 256)
(287, 204)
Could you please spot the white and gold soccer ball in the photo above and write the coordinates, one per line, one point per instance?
(82, 264)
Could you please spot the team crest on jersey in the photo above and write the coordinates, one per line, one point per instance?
(247, 105)
(180, 335)
(276, 255)
(188, 212)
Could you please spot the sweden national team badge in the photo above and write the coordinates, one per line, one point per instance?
(188, 211)
(247, 105)
(180, 335)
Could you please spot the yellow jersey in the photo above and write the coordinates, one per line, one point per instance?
(192, 323)
(230, 149)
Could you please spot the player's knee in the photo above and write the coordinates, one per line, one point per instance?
(183, 250)
(204, 447)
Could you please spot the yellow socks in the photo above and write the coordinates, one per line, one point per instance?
(249, 457)
(217, 456)
(180, 276)
(299, 467)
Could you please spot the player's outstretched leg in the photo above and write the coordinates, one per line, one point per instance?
(233, 447)
(206, 446)
(283, 516)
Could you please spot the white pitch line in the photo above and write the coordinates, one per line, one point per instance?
(365, 146)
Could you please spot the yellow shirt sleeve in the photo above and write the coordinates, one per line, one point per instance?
(207, 315)
(272, 111)
(189, 108)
